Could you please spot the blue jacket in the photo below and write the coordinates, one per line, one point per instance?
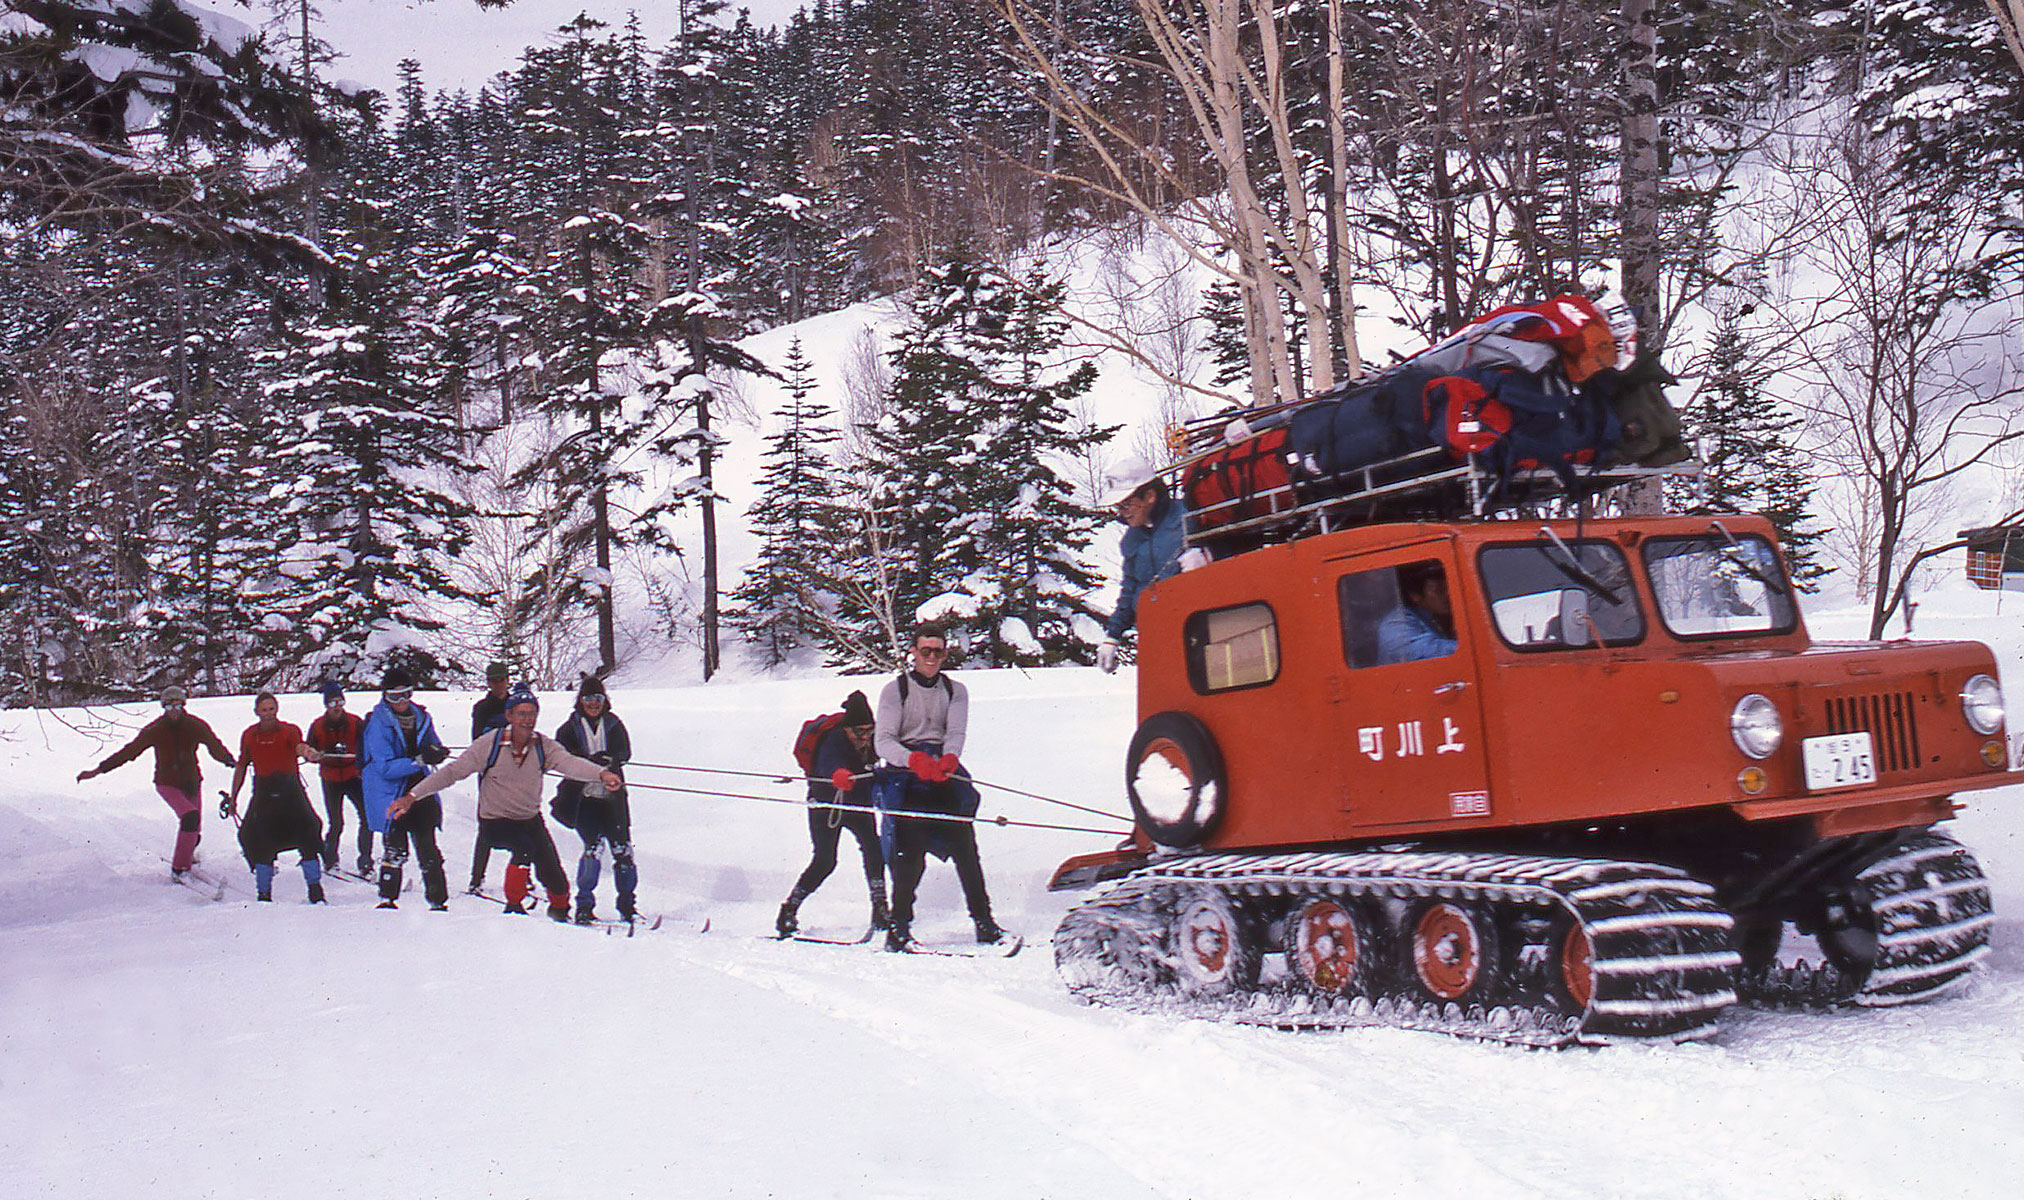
(385, 764)
(1151, 553)
(1407, 635)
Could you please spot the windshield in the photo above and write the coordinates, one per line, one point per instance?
(1719, 586)
(1561, 595)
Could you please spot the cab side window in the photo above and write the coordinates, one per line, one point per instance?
(1231, 648)
(1396, 614)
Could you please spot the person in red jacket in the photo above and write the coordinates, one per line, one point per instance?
(279, 816)
(335, 735)
(175, 737)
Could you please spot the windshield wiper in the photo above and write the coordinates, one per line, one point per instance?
(1573, 569)
(1734, 556)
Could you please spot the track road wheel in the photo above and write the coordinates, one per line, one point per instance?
(1574, 963)
(1453, 951)
(1328, 947)
(1212, 955)
(1174, 776)
(1847, 932)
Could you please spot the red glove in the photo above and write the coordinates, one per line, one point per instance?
(843, 780)
(920, 764)
(948, 766)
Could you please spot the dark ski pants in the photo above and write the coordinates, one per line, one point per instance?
(481, 859)
(278, 818)
(418, 824)
(334, 796)
(189, 824)
(911, 836)
(530, 843)
(606, 820)
(825, 830)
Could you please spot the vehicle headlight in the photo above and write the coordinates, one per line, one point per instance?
(1982, 704)
(1756, 726)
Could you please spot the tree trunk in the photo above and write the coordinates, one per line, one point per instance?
(1641, 249)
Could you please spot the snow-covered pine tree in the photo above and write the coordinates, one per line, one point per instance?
(370, 448)
(577, 96)
(1033, 549)
(968, 459)
(1750, 457)
(784, 606)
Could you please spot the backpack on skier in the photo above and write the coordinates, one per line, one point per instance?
(805, 742)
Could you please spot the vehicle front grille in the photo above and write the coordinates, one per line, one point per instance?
(1890, 718)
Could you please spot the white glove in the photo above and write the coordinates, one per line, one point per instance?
(1106, 656)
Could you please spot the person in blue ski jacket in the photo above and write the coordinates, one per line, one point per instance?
(1423, 625)
(1151, 546)
(396, 750)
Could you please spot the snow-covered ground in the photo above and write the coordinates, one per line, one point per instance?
(153, 1043)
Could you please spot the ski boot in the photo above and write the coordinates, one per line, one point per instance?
(788, 921)
(316, 893)
(988, 932)
(558, 907)
(585, 915)
(899, 940)
(881, 916)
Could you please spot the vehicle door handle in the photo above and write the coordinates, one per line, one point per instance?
(1456, 686)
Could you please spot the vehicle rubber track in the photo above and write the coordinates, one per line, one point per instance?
(1931, 909)
(1659, 953)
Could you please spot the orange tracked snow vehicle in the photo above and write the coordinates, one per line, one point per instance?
(1590, 810)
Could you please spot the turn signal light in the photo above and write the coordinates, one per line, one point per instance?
(1752, 780)
(1993, 753)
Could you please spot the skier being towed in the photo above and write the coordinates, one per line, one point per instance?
(509, 765)
(923, 719)
(279, 816)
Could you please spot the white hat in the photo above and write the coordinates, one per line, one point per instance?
(1126, 477)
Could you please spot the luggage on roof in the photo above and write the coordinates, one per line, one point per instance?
(1525, 403)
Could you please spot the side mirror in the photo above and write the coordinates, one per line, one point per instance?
(1575, 627)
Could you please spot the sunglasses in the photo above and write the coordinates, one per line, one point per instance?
(588, 697)
(173, 705)
(932, 651)
(400, 694)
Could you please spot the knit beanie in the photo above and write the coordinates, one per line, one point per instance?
(857, 710)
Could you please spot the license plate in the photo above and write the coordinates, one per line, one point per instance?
(1839, 760)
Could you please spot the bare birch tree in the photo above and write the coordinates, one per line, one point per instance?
(1264, 226)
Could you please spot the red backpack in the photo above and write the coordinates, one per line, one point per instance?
(811, 736)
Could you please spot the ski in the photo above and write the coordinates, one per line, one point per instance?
(611, 925)
(819, 940)
(1006, 947)
(200, 883)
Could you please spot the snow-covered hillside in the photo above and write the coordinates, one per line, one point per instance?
(157, 1044)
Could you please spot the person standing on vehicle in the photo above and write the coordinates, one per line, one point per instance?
(488, 714)
(509, 764)
(600, 815)
(923, 719)
(1151, 546)
(279, 816)
(336, 736)
(175, 737)
(843, 756)
(398, 740)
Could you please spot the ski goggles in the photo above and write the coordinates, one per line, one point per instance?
(399, 694)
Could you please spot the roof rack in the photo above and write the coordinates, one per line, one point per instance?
(1428, 484)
